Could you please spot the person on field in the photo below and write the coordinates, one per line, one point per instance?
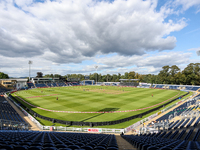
(152, 95)
(57, 98)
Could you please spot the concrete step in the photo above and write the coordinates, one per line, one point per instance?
(123, 144)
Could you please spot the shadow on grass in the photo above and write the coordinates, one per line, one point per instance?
(99, 114)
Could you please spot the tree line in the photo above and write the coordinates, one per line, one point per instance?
(168, 75)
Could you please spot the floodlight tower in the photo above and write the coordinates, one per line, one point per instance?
(96, 72)
(198, 52)
(29, 62)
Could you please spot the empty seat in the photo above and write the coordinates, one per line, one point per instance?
(87, 147)
(73, 147)
(35, 148)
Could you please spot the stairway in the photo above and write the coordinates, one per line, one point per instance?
(123, 144)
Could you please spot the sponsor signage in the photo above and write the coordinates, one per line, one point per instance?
(94, 130)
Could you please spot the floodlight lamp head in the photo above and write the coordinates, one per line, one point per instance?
(95, 67)
(198, 52)
(30, 62)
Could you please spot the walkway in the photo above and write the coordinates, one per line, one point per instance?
(123, 144)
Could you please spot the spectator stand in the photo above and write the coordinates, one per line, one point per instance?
(34, 140)
(182, 133)
(9, 118)
(168, 120)
(175, 87)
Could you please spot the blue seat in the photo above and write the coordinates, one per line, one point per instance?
(61, 146)
(49, 148)
(197, 144)
(73, 147)
(191, 145)
(145, 146)
(18, 147)
(152, 148)
(48, 145)
(35, 148)
(99, 148)
(87, 147)
(7, 147)
(165, 148)
(112, 148)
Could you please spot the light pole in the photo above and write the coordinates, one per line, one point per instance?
(96, 73)
(198, 52)
(29, 62)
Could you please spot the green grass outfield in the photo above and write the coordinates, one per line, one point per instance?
(94, 98)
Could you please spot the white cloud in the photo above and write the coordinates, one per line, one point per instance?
(194, 49)
(56, 33)
(145, 63)
(157, 60)
(114, 64)
(79, 29)
(186, 4)
(23, 3)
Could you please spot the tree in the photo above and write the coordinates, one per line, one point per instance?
(114, 78)
(174, 70)
(104, 78)
(3, 76)
(92, 77)
(39, 74)
(109, 78)
(192, 72)
(164, 75)
(119, 76)
(131, 75)
(100, 78)
(57, 76)
(126, 75)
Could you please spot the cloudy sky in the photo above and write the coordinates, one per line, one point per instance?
(72, 36)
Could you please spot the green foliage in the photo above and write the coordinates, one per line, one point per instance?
(168, 75)
(3, 76)
(173, 75)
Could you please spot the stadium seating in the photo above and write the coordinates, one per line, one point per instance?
(3, 90)
(181, 134)
(145, 86)
(54, 84)
(75, 83)
(40, 85)
(165, 141)
(30, 85)
(7, 111)
(61, 84)
(56, 141)
(179, 110)
(176, 87)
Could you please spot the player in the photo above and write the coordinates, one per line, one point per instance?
(57, 98)
(152, 95)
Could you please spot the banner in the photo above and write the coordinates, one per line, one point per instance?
(94, 130)
(132, 126)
